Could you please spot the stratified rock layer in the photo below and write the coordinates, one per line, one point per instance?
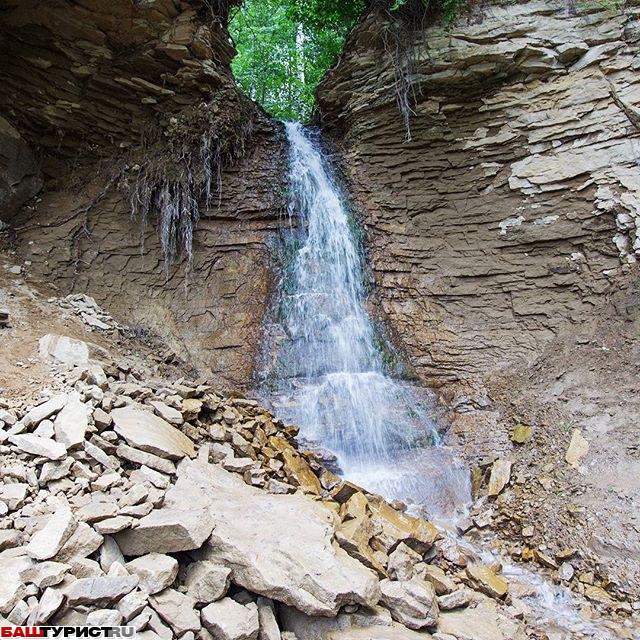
(514, 208)
(117, 99)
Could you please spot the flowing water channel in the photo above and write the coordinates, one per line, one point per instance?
(330, 371)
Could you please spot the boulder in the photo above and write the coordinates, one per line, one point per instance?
(229, 620)
(167, 530)
(38, 446)
(411, 602)
(63, 350)
(155, 570)
(206, 581)
(278, 546)
(71, 423)
(177, 610)
(50, 539)
(146, 431)
(101, 590)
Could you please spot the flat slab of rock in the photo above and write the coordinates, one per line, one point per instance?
(487, 581)
(45, 410)
(102, 590)
(279, 546)
(71, 423)
(144, 458)
(146, 431)
(38, 446)
(48, 541)
(167, 530)
(229, 620)
(480, 623)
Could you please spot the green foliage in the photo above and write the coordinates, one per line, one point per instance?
(286, 46)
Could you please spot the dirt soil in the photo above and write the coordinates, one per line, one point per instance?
(586, 379)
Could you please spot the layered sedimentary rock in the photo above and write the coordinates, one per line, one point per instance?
(127, 105)
(509, 208)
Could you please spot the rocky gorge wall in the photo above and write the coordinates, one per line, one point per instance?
(114, 102)
(512, 212)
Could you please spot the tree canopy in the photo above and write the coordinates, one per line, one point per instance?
(285, 47)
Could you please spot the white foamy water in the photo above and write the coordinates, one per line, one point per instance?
(331, 378)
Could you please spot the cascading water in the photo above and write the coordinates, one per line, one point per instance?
(331, 377)
(328, 376)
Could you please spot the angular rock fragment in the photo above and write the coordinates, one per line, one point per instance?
(500, 476)
(63, 350)
(45, 410)
(45, 574)
(167, 530)
(269, 629)
(104, 618)
(12, 587)
(411, 602)
(102, 590)
(49, 540)
(206, 581)
(155, 570)
(177, 610)
(82, 543)
(38, 446)
(279, 546)
(71, 423)
(487, 581)
(578, 448)
(143, 430)
(228, 620)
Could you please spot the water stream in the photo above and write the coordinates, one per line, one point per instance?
(328, 372)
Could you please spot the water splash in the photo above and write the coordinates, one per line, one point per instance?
(331, 373)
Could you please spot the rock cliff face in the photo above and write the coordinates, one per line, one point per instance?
(119, 101)
(512, 211)
(503, 239)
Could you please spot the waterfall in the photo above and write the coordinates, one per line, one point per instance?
(329, 374)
